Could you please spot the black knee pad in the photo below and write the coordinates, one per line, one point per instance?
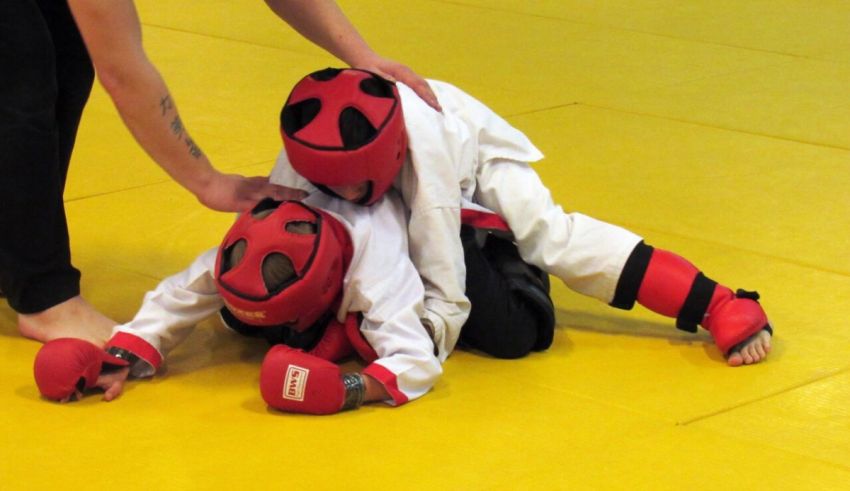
(527, 281)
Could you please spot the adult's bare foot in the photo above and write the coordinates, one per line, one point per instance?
(73, 318)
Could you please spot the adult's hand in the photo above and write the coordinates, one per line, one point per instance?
(395, 71)
(324, 23)
(232, 192)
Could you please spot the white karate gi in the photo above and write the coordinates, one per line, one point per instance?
(380, 282)
(467, 153)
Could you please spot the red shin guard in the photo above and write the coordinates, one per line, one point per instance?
(674, 287)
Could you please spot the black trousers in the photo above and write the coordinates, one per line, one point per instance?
(45, 80)
(501, 322)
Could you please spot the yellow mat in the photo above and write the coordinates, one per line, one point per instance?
(716, 129)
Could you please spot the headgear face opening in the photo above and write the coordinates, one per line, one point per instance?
(280, 264)
(343, 127)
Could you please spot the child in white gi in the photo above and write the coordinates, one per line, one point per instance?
(348, 286)
(353, 135)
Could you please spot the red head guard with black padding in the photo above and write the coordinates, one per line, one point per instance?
(343, 127)
(318, 260)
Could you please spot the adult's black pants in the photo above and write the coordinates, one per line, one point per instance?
(46, 76)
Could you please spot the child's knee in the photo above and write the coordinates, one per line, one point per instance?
(515, 341)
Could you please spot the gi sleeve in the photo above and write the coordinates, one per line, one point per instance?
(383, 284)
(168, 315)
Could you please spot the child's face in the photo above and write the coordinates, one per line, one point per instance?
(354, 193)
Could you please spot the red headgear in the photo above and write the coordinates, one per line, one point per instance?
(343, 127)
(318, 259)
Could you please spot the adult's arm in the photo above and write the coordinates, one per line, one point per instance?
(113, 36)
(324, 23)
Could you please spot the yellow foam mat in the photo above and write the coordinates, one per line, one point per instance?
(718, 130)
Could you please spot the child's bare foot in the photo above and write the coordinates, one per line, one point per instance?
(73, 318)
(750, 351)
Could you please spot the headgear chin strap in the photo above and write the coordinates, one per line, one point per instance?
(318, 261)
(343, 127)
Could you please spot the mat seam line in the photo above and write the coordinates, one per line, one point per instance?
(782, 259)
(638, 31)
(716, 127)
(148, 184)
(785, 390)
(687, 423)
(528, 14)
(541, 16)
(235, 40)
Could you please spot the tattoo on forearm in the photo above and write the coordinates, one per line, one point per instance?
(177, 127)
(166, 104)
(194, 150)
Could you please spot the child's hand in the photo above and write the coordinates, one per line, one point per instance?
(64, 368)
(294, 381)
(112, 383)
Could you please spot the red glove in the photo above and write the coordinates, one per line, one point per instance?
(65, 365)
(294, 381)
(334, 344)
